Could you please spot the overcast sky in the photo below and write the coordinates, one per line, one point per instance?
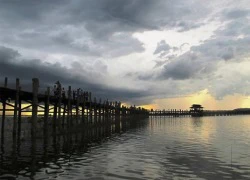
(160, 53)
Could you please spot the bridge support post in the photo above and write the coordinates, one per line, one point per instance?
(95, 112)
(3, 112)
(16, 108)
(77, 106)
(55, 117)
(59, 122)
(117, 117)
(19, 123)
(35, 88)
(90, 111)
(63, 118)
(69, 113)
(99, 112)
(83, 107)
(46, 113)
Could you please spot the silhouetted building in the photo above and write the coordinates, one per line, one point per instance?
(196, 110)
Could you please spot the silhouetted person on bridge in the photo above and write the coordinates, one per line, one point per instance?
(74, 95)
(57, 88)
(63, 93)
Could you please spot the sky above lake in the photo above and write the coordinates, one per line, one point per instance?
(155, 53)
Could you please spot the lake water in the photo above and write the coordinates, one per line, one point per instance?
(153, 148)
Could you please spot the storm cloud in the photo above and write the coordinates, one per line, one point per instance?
(12, 66)
(96, 45)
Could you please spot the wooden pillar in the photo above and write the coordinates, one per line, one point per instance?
(77, 105)
(107, 110)
(111, 109)
(117, 117)
(109, 118)
(19, 123)
(100, 111)
(64, 112)
(104, 112)
(124, 111)
(95, 111)
(5, 82)
(90, 107)
(46, 113)
(106, 117)
(59, 122)
(87, 108)
(55, 117)
(35, 88)
(119, 110)
(16, 107)
(3, 120)
(69, 120)
(3, 112)
(83, 106)
(33, 153)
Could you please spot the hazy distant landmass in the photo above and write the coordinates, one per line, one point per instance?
(242, 109)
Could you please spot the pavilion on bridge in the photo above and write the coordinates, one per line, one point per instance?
(196, 110)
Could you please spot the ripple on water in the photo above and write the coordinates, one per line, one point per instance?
(161, 148)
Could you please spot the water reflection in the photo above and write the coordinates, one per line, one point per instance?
(26, 158)
(197, 122)
(154, 148)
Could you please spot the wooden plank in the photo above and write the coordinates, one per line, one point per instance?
(8, 104)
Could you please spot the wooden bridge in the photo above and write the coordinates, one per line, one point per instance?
(62, 111)
(177, 113)
(62, 118)
(170, 113)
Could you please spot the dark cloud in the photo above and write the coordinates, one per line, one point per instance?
(12, 66)
(162, 46)
(7, 54)
(159, 63)
(59, 25)
(237, 13)
(26, 12)
(138, 13)
(94, 31)
(228, 54)
(187, 66)
(228, 47)
(202, 60)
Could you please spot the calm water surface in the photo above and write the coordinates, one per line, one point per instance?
(156, 148)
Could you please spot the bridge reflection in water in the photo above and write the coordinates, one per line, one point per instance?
(30, 154)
